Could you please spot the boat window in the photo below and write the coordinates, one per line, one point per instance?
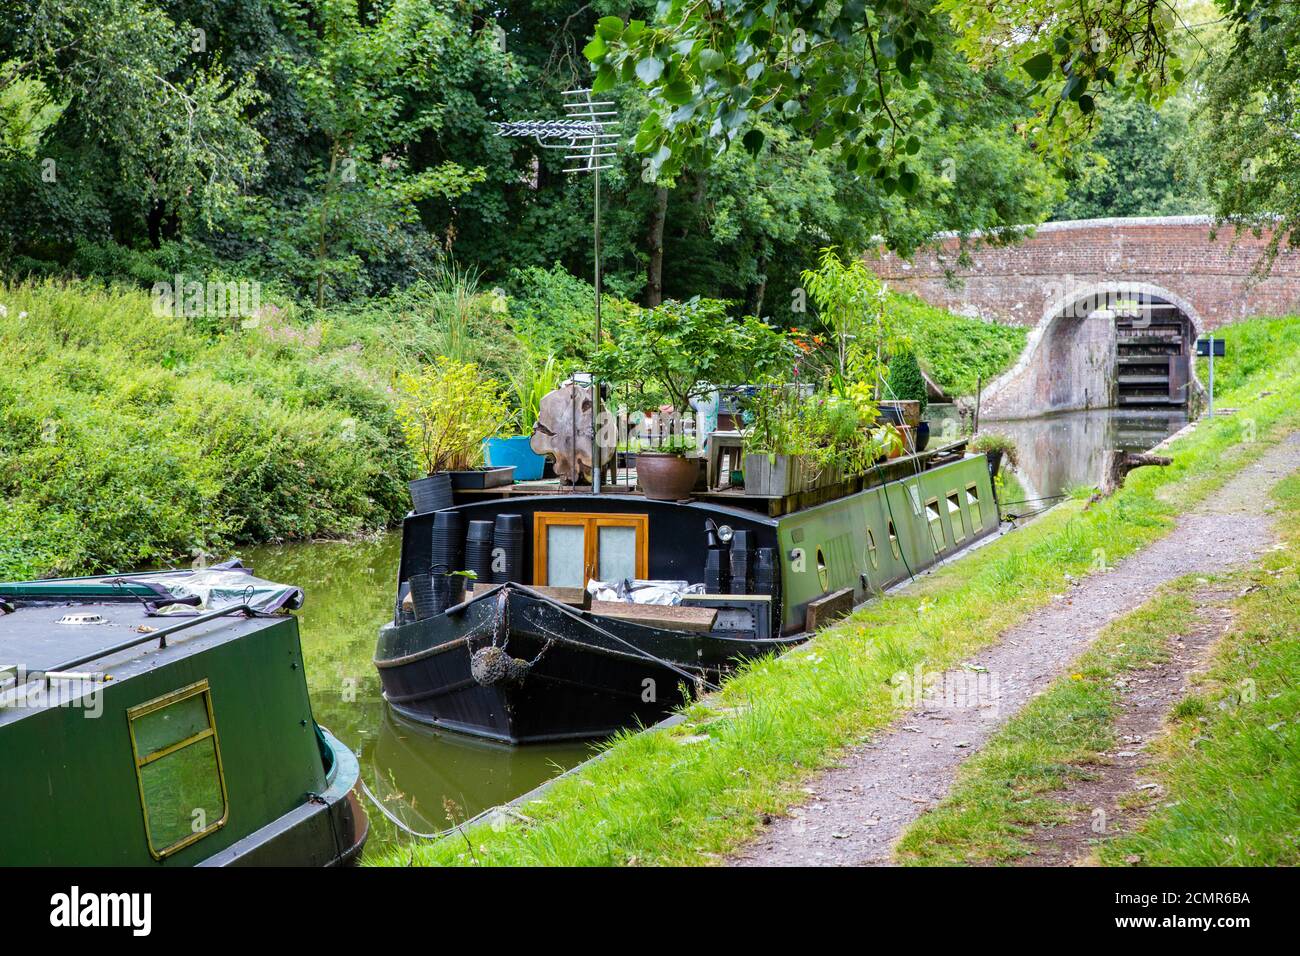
(872, 555)
(973, 502)
(894, 546)
(954, 516)
(615, 552)
(571, 549)
(178, 768)
(823, 571)
(566, 555)
(932, 516)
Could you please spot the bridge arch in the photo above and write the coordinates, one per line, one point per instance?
(1102, 344)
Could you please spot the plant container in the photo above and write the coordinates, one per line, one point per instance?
(432, 493)
(476, 479)
(516, 452)
(666, 477)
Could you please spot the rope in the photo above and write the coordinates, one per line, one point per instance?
(693, 678)
(1021, 501)
(395, 821)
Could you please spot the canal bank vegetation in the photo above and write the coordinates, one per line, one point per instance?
(695, 792)
(134, 435)
(1229, 763)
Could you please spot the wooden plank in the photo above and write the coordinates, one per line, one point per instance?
(573, 597)
(828, 608)
(677, 618)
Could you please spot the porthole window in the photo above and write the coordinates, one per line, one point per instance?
(872, 555)
(178, 768)
(823, 571)
(894, 548)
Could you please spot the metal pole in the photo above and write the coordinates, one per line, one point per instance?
(595, 382)
(1211, 375)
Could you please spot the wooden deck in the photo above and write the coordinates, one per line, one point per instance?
(624, 483)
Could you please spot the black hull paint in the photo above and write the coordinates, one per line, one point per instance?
(589, 676)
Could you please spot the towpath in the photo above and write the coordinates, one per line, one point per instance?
(857, 810)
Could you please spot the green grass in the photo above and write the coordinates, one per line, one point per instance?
(692, 794)
(956, 352)
(1229, 763)
(1006, 789)
(129, 439)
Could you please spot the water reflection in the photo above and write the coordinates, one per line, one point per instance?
(428, 780)
(1063, 451)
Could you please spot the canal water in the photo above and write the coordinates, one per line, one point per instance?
(430, 781)
(1060, 452)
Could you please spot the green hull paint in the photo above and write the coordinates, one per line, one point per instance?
(69, 787)
(843, 532)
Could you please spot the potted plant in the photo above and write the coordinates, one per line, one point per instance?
(528, 387)
(995, 446)
(906, 385)
(678, 351)
(446, 410)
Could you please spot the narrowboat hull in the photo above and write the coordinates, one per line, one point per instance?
(140, 739)
(558, 673)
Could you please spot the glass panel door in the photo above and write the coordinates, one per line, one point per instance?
(566, 555)
(616, 552)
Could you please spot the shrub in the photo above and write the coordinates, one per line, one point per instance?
(905, 382)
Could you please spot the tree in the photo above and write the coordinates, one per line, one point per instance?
(680, 350)
(1247, 134)
(131, 97)
(1135, 166)
(848, 72)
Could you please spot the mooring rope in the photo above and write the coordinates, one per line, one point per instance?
(395, 821)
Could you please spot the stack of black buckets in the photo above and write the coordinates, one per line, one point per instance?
(494, 551)
(741, 569)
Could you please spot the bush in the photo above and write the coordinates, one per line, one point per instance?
(906, 383)
(130, 440)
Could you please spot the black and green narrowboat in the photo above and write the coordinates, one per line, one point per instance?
(528, 655)
(163, 720)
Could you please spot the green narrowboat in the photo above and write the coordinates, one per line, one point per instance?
(155, 720)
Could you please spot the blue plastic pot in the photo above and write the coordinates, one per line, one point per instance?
(515, 451)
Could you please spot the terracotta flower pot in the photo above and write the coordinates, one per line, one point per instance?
(666, 477)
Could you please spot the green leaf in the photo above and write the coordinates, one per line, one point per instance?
(1039, 67)
(679, 92)
(649, 70)
(595, 49)
(753, 141)
(606, 77)
(711, 60)
(1086, 104)
(611, 28)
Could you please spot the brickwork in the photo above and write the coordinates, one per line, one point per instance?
(1214, 277)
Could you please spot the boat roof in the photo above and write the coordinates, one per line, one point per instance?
(112, 640)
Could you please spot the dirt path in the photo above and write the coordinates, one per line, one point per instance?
(1112, 799)
(858, 809)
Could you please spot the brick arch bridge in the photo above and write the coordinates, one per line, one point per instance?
(1114, 304)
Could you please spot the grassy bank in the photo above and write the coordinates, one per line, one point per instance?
(128, 438)
(1229, 763)
(689, 795)
(1007, 788)
(955, 351)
